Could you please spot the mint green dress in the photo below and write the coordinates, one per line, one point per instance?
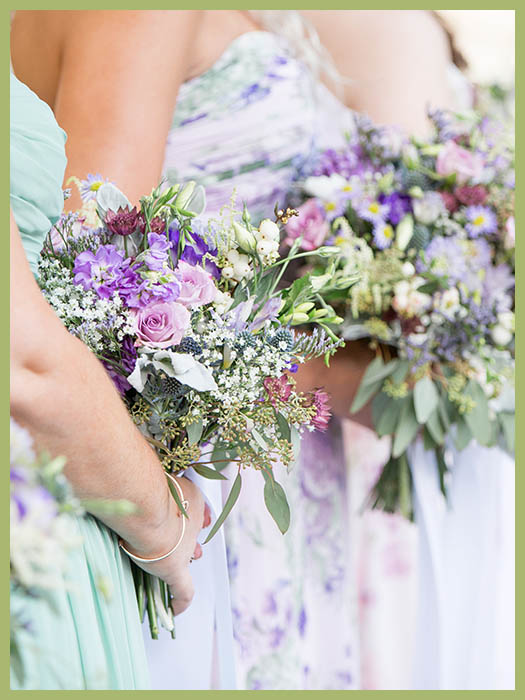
(86, 636)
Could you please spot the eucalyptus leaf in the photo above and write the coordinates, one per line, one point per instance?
(284, 427)
(379, 404)
(388, 419)
(230, 502)
(259, 439)
(377, 370)
(400, 372)
(208, 472)
(463, 434)
(364, 394)
(276, 502)
(194, 431)
(406, 428)
(428, 441)
(435, 428)
(478, 418)
(426, 399)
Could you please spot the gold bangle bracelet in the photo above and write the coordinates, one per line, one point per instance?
(163, 556)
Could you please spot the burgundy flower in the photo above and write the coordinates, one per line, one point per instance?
(278, 389)
(156, 225)
(123, 222)
(450, 201)
(471, 195)
(320, 399)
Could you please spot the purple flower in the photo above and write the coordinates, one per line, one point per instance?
(497, 282)
(100, 271)
(268, 312)
(399, 205)
(152, 292)
(131, 284)
(195, 251)
(373, 211)
(157, 254)
(383, 235)
(446, 257)
(90, 186)
(480, 220)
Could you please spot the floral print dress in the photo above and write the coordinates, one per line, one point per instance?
(252, 124)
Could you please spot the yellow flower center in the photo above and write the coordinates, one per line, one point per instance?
(478, 221)
(329, 206)
(95, 186)
(388, 232)
(373, 208)
(347, 188)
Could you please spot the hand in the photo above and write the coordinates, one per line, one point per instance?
(175, 569)
(341, 380)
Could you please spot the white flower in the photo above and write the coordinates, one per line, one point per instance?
(241, 269)
(324, 186)
(407, 300)
(222, 302)
(448, 302)
(267, 247)
(408, 269)
(501, 335)
(228, 272)
(268, 231)
(429, 207)
(506, 319)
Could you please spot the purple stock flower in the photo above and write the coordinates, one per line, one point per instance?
(100, 271)
(128, 359)
(157, 254)
(399, 205)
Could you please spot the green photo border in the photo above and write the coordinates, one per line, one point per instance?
(4, 285)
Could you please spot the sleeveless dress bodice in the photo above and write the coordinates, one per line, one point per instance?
(251, 122)
(86, 634)
(37, 165)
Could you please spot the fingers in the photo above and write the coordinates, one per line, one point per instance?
(182, 593)
(197, 552)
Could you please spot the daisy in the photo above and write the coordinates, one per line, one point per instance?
(383, 235)
(480, 220)
(90, 186)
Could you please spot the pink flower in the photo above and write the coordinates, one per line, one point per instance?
(455, 159)
(310, 224)
(278, 389)
(450, 201)
(196, 285)
(473, 195)
(510, 233)
(320, 399)
(161, 325)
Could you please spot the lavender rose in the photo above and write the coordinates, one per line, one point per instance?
(161, 325)
(455, 159)
(311, 224)
(196, 285)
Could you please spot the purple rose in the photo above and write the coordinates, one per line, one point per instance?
(455, 159)
(100, 271)
(311, 224)
(196, 285)
(161, 325)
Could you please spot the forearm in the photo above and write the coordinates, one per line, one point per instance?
(71, 409)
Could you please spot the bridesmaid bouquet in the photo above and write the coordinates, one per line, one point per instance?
(429, 228)
(190, 324)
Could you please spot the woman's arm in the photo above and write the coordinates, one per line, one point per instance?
(397, 62)
(62, 394)
(118, 79)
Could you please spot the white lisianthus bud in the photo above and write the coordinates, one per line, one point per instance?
(501, 335)
(227, 272)
(268, 230)
(404, 231)
(185, 194)
(244, 238)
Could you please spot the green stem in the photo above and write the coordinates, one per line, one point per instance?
(152, 612)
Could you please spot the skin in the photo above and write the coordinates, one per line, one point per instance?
(86, 421)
